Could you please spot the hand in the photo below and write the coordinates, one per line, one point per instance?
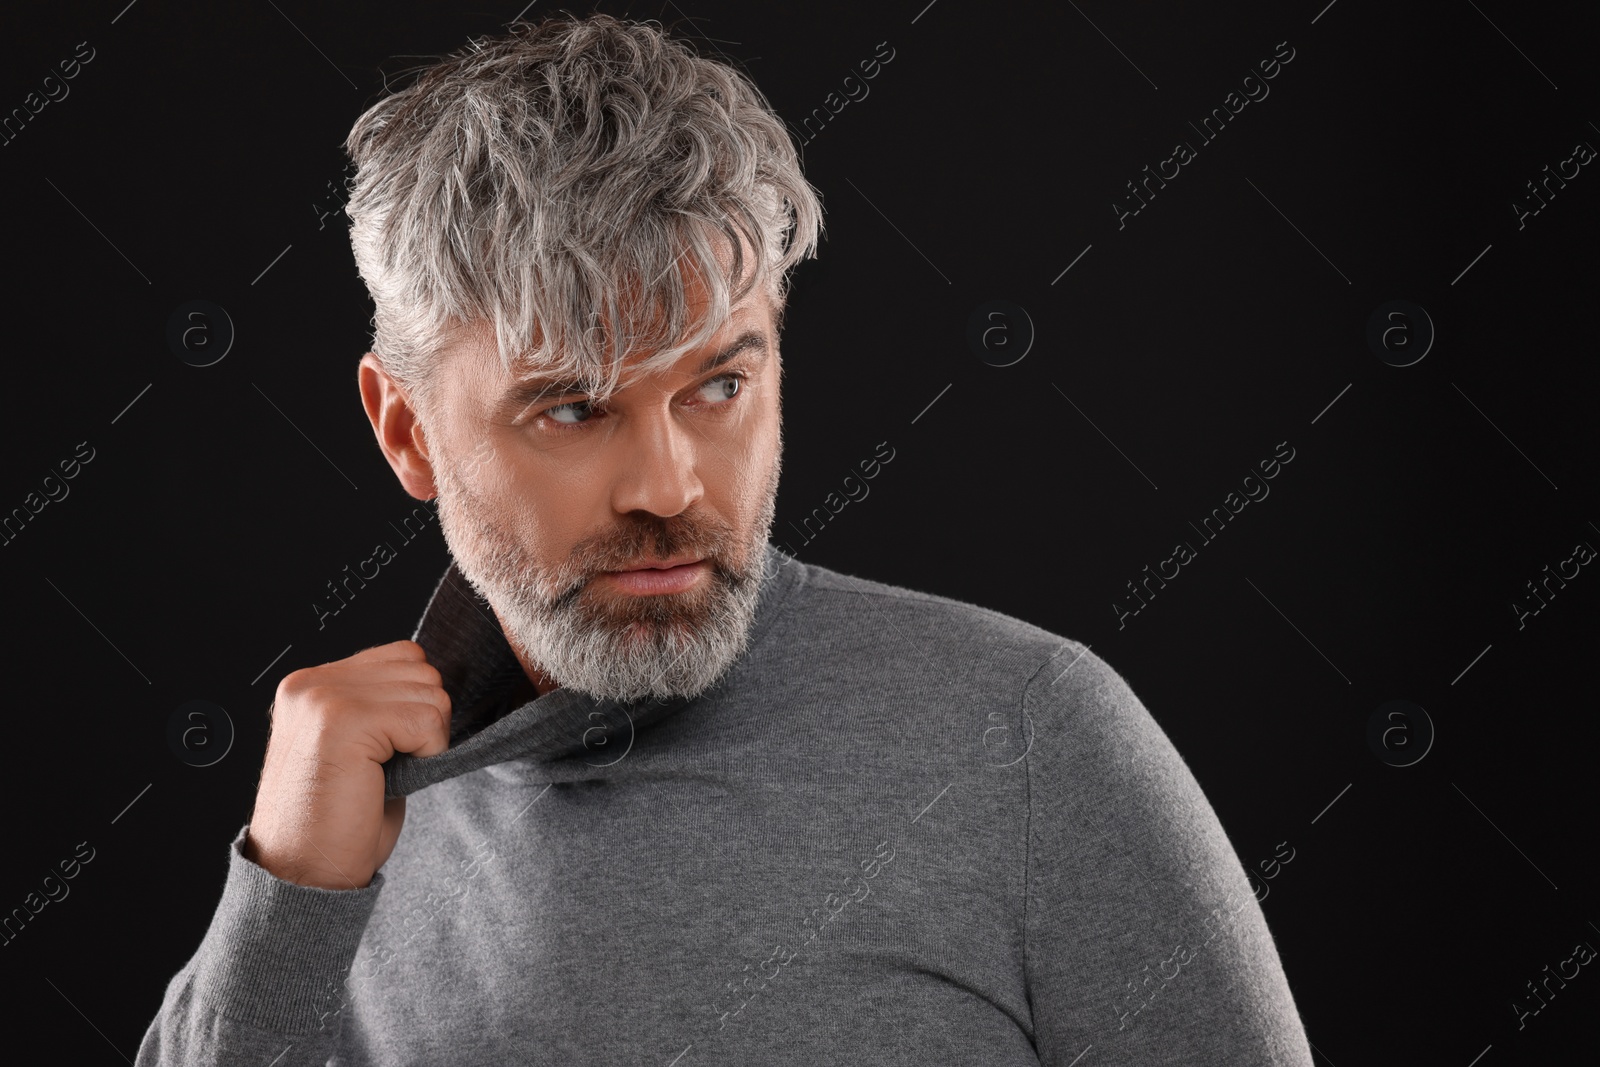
(320, 816)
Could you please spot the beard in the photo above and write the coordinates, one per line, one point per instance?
(606, 643)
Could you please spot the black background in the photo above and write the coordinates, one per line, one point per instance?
(197, 155)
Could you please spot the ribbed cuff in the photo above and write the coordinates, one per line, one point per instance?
(277, 954)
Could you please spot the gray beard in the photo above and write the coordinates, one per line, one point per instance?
(615, 646)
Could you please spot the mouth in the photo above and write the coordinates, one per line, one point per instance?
(667, 576)
(663, 565)
(658, 578)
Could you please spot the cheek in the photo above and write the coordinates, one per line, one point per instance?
(550, 506)
(758, 475)
(762, 430)
(528, 497)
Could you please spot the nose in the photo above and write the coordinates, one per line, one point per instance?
(659, 466)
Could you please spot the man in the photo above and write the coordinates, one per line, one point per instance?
(675, 796)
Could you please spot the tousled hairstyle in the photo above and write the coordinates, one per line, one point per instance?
(548, 180)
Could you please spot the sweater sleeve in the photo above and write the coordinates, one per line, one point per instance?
(1144, 940)
(266, 984)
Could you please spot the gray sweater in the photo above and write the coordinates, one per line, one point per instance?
(902, 829)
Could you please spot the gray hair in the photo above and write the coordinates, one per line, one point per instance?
(548, 180)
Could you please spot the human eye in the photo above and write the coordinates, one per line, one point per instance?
(572, 414)
(724, 387)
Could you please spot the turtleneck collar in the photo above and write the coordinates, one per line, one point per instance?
(494, 716)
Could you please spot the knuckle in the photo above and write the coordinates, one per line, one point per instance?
(315, 699)
(420, 721)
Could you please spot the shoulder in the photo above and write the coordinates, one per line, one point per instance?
(882, 614)
(1037, 683)
(892, 628)
(1045, 703)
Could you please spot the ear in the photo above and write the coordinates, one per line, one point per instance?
(398, 428)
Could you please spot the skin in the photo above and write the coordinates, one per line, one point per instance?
(537, 502)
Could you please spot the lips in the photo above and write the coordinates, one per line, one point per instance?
(667, 576)
(675, 561)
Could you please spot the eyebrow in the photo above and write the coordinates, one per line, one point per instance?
(528, 391)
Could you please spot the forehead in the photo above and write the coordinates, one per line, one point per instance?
(753, 312)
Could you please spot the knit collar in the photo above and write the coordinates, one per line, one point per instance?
(494, 716)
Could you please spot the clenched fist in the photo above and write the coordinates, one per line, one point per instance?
(320, 816)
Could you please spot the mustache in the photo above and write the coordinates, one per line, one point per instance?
(647, 536)
(652, 537)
